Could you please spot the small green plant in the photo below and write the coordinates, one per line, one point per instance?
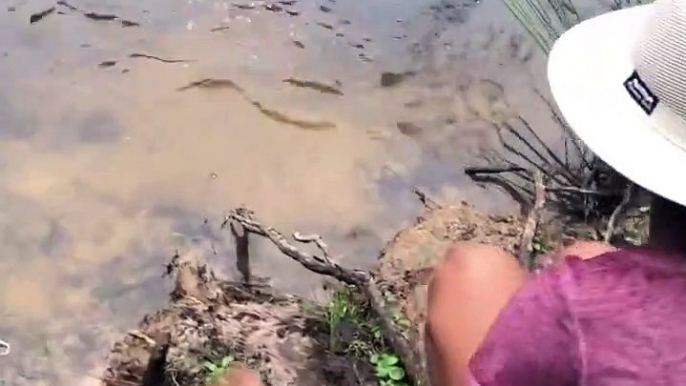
(342, 307)
(215, 369)
(347, 309)
(389, 371)
(539, 245)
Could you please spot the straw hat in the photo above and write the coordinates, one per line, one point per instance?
(619, 79)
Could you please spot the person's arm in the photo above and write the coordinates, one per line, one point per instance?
(532, 343)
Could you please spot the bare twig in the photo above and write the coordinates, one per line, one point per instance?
(473, 171)
(318, 264)
(427, 201)
(313, 238)
(525, 245)
(139, 335)
(242, 251)
(363, 280)
(611, 223)
(573, 189)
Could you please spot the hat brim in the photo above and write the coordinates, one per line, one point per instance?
(586, 70)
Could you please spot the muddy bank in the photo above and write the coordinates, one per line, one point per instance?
(213, 325)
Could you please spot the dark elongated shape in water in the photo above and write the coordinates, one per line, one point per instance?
(212, 83)
(321, 87)
(163, 60)
(283, 118)
(100, 16)
(36, 17)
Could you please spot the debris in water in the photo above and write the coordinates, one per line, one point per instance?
(146, 56)
(357, 45)
(390, 79)
(344, 22)
(212, 83)
(65, 4)
(324, 25)
(298, 44)
(4, 348)
(292, 13)
(244, 6)
(282, 118)
(129, 23)
(217, 29)
(100, 16)
(107, 63)
(368, 40)
(12, 9)
(410, 129)
(365, 58)
(322, 88)
(273, 8)
(325, 9)
(36, 17)
(340, 34)
(287, 2)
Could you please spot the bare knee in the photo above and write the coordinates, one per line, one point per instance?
(470, 264)
(474, 258)
(468, 290)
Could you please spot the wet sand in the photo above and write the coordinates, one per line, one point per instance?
(108, 167)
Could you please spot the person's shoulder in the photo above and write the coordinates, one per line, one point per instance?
(617, 278)
(622, 261)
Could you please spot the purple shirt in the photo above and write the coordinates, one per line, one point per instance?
(616, 320)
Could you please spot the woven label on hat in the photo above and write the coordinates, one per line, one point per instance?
(641, 93)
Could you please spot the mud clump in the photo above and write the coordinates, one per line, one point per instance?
(283, 337)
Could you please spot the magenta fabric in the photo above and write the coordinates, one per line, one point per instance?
(616, 320)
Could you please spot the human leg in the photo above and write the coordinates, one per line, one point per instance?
(467, 292)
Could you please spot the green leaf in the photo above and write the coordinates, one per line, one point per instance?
(396, 373)
(389, 360)
(381, 372)
(374, 359)
(210, 366)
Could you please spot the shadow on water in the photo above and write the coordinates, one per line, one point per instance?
(129, 127)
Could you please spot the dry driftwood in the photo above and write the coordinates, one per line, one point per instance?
(531, 223)
(366, 282)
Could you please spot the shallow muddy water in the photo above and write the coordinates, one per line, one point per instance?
(128, 128)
